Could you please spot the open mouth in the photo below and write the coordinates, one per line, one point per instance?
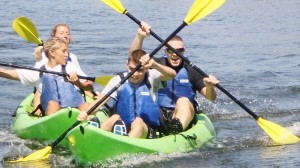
(175, 60)
(134, 78)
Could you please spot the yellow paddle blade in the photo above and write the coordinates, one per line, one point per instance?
(26, 29)
(40, 154)
(277, 132)
(201, 8)
(103, 80)
(115, 4)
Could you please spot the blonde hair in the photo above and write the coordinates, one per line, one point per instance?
(51, 44)
(54, 29)
(38, 50)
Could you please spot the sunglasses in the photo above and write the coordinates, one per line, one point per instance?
(180, 50)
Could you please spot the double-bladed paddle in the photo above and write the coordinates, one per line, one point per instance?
(275, 131)
(101, 80)
(197, 10)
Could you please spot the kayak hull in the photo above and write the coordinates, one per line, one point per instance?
(45, 129)
(95, 145)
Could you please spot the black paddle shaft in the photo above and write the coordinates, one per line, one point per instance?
(119, 84)
(45, 71)
(195, 67)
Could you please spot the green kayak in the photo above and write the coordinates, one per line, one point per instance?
(45, 129)
(94, 145)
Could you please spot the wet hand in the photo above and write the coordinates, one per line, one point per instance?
(73, 78)
(82, 116)
(96, 95)
(146, 61)
(144, 30)
(210, 80)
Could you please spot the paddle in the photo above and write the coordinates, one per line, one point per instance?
(44, 153)
(26, 29)
(101, 80)
(275, 131)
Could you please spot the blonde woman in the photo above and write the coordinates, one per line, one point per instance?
(56, 91)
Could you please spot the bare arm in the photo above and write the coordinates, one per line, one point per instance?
(87, 85)
(108, 87)
(9, 74)
(138, 40)
(166, 72)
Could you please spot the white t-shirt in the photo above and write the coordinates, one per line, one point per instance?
(29, 77)
(153, 78)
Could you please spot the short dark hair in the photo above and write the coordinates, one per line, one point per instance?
(136, 55)
(176, 38)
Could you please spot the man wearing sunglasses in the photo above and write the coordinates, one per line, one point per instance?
(176, 97)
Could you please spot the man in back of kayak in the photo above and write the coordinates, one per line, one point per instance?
(135, 101)
(177, 97)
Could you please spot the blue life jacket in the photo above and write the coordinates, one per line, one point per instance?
(176, 88)
(137, 102)
(57, 88)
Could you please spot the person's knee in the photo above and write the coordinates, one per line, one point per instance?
(138, 128)
(183, 105)
(183, 100)
(52, 107)
(138, 122)
(52, 103)
(107, 125)
(115, 117)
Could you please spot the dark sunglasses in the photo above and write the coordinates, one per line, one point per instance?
(180, 50)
